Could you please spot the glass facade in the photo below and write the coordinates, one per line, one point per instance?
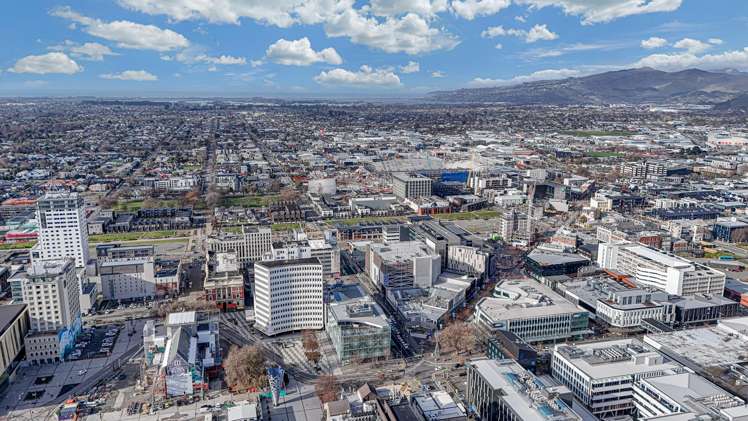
(355, 341)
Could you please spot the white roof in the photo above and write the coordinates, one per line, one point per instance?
(182, 318)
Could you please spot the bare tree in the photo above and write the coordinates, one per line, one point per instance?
(327, 388)
(311, 346)
(458, 336)
(245, 368)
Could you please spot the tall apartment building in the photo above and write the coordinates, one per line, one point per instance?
(514, 226)
(63, 231)
(667, 272)
(52, 294)
(407, 186)
(250, 245)
(601, 374)
(504, 390)
(289, 295)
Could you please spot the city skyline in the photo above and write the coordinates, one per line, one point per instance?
(342, 48)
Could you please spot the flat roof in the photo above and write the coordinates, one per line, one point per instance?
(290, 262)
(529, 299)
(8, 314)
(660, 257)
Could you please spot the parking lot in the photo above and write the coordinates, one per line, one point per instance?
(96, 342)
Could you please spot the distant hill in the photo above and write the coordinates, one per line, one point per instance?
(632, 86)
(739, 103)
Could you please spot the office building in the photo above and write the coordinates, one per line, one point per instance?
(63, 232)
(328, 254)
(14, 324)
(652, 268)
(601, 374)
(468, 259)
(357, 326)
(126, 273)
(249, 246)
(224, 281)
(52, 294)
(407, 186)
(405, 264)
(503, 390)
(289, 295)
(685, 396)
(531, 311)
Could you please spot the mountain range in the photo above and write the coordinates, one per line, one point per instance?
(631, 86)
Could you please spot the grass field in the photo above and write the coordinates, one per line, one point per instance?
(134, 236)
(603, 154)
(591, 133)
(370, 219)
(134, 205)
(17, 246)
(248, 201)
(461, 216)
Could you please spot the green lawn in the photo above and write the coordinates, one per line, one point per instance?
(288, 226)
(248, 201)
(590, 133)
(362, 219)
(17, 246)
(133, 236)
(134, 205)
(460, 216)
(603, 154)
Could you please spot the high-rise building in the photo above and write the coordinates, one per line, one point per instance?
(63, 231)
(289, 295)
(126, 272)
(52, 294)
(328, 254)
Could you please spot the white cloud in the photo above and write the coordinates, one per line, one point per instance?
(137, 75)
(277, 12)
(88, 51)
(540, 33)
(736, 59)
(300, 53)
(410, 34)
(438, 74)
(715, 41)
(54, 62)
(536, 33)
(411, 67)
(127, 34)
(499, 46)
(550, 74)
(572, 48)
(470, 9)
(400, 7)
(366, 76)
(693, 46)
(598, 11)
(653, 42)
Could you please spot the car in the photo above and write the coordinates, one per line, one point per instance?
(82, 372)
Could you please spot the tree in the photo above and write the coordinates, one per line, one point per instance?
(213, 198)
(458, 336)
(289, 194)
(190, 198)
(245, 368)
(311, 346)
(327, 388)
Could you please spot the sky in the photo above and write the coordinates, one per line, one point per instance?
(328, 48)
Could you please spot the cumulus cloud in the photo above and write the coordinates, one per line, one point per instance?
(536, 33)
(600, 11)
(653, 42)
(196, 55)
(693, 46)
(411, 67)
(470, 9)
(89, 51)
(736, 59)
(365, 76)
(125, 33)
(715, 41)
(137, 75)
(410, 34)
(55, 62)
(438, 74)
(399, 7)
(300, 53)
(549, 74)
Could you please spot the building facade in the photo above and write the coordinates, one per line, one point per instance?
(289, 295)
(63, 231)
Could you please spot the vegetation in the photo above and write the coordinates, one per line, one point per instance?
(458, 336)
(370, 219)
(184, 305)
(250, 201)
(17, 246)
(286, 226)
(135, 205)
(245, 369)
(134, 236)
(327, 388)
(461, 216)
(311, 346)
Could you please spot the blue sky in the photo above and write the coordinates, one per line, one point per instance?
(351, 47)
